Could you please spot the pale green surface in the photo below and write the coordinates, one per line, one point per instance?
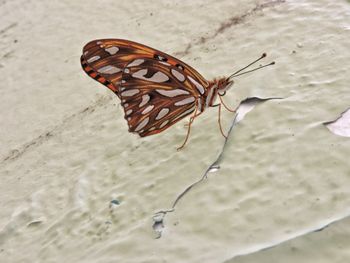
(283, 173)
(330, 245)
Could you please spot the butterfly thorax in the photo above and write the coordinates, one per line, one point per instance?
(217, 86)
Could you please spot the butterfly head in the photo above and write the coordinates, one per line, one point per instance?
(223, 85)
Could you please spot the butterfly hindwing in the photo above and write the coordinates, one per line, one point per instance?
(155, 95)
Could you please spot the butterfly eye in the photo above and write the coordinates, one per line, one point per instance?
(179, 66)
(160, 58)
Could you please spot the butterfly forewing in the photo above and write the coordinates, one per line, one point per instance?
(156, 89)
(104, 61)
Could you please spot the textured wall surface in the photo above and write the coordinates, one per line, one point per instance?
(77, 187)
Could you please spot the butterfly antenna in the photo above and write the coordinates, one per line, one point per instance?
(262, 56)
(260, 67)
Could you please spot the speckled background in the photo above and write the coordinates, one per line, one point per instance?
(66, 153)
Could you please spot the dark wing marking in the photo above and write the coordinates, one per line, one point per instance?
(153, 98)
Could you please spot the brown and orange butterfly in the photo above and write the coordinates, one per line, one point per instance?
(156, 90)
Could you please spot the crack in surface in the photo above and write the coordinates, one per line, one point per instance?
(16, 153)
(240, 19)
(4, 30)
(235, 20)
(298, 235)
(251, 102)
(341, 125)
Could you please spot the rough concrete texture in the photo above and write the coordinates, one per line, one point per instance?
(77, 187)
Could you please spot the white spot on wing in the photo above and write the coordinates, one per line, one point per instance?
(185, 101)
(163, 124)
(92, 59)
(148, 109)
(157, 77)
(128, 112)
(142, 124)
(178, 75)
(185, 113)
(112, 50)
(180, 67)
(136, 62)
(173, 92)
(145, 99)
(164, 63)
(130, 92)
(160, 58)
(140, 74)
(162, 113)
(198, 86)
(108, 70)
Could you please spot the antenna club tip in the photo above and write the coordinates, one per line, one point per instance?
(273, 63)
(263, 55)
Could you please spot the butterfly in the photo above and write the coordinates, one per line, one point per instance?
(156, 90)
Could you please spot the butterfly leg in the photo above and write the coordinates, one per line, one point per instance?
(189, 128)
(191, 120)
(227, 108)
(219, 121)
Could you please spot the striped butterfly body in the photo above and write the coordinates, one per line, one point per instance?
(156, 90)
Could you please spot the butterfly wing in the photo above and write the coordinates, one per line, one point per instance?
(153, 98)
(156, 89)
